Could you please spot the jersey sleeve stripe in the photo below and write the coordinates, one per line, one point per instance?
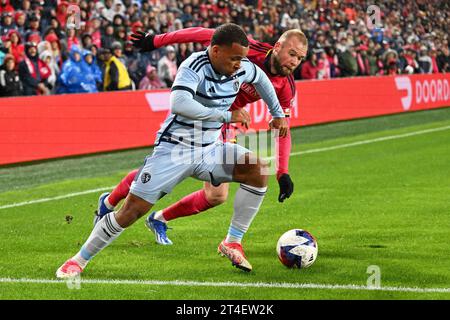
(200, 58)
(204, 96)
(225, 80)
(292, 83)
(258, 49)
(183, 88)
(191, 125)
(197, 69)
(198, 62)
(254, 73)
(262, 46)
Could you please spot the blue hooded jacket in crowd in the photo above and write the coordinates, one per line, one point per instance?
(79, 76)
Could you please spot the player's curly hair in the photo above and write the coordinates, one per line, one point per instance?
(229, 33)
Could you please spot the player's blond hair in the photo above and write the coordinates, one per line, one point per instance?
(294, 33)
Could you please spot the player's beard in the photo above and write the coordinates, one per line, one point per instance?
(281, 70)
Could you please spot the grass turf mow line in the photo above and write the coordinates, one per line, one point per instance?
(341, 146)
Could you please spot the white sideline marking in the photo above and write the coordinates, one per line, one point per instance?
(358, 143)
(69, 195)
(341, 146)
(233, 284)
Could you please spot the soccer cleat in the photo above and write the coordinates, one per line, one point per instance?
(159, 228)
(234, 252)
(69, 269)
(101, 208)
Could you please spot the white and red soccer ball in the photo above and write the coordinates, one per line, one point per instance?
(297, 248)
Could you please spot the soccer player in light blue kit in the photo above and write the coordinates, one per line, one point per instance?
(187, 145)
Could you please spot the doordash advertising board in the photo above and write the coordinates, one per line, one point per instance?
(44, 127)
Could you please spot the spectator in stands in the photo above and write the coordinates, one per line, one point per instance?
(56, 26)
(116, 49)
(374, 64)
(20, 19)
(5, 6)
(7, 23)
(135, 63)
(10, 84)
(323, 65)
(151, 80)
(333, 61)
(55, 47)
(362, 60)
(33, 72)
(93, 28)
(425, 63)
(3, 50)
(443, 59)
(91, 72)
(72, 39)
(347, 63)
(116, 75)
(43, 45)
(71, 77)
(167, 66)
(47, 57)
(433, 56)
(33, 27)
(120, 36)
(108, 36)
(184, 51)
(61, 13)
(17, 48)
(309, 68)
(86, 40)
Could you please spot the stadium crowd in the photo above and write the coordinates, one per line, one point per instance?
(44, 50)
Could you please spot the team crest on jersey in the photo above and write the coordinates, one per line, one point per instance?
(145, 177)
(236, 85)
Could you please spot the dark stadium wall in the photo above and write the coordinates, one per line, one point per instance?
(45, 127)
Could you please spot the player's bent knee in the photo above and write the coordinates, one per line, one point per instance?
(217, 195)
(252, 174)
(216, 199)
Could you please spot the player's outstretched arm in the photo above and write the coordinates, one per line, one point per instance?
(147, 42)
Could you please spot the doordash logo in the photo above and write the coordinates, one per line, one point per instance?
(425, 91)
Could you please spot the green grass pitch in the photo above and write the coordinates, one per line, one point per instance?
(374, 192)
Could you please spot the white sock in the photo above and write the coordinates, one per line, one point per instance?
(159, 216)
(104, 232)
(247, 201)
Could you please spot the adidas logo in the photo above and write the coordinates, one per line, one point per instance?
(212, 90)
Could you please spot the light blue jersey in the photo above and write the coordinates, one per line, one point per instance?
(200, 99)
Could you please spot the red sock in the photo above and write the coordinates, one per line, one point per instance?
(192, 204)
(121, 190)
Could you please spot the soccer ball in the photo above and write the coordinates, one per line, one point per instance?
(297, 248)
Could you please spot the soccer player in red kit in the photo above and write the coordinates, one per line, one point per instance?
(278, 62)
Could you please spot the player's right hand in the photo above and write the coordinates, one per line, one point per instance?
(143, 41)
(241, 116)
(281, 124)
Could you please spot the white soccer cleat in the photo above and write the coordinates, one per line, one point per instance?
(69, 269)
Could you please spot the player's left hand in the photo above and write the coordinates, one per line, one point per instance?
(143, 41)
(281, 124)
(286, 187)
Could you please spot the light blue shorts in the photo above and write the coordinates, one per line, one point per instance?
(170, 164)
